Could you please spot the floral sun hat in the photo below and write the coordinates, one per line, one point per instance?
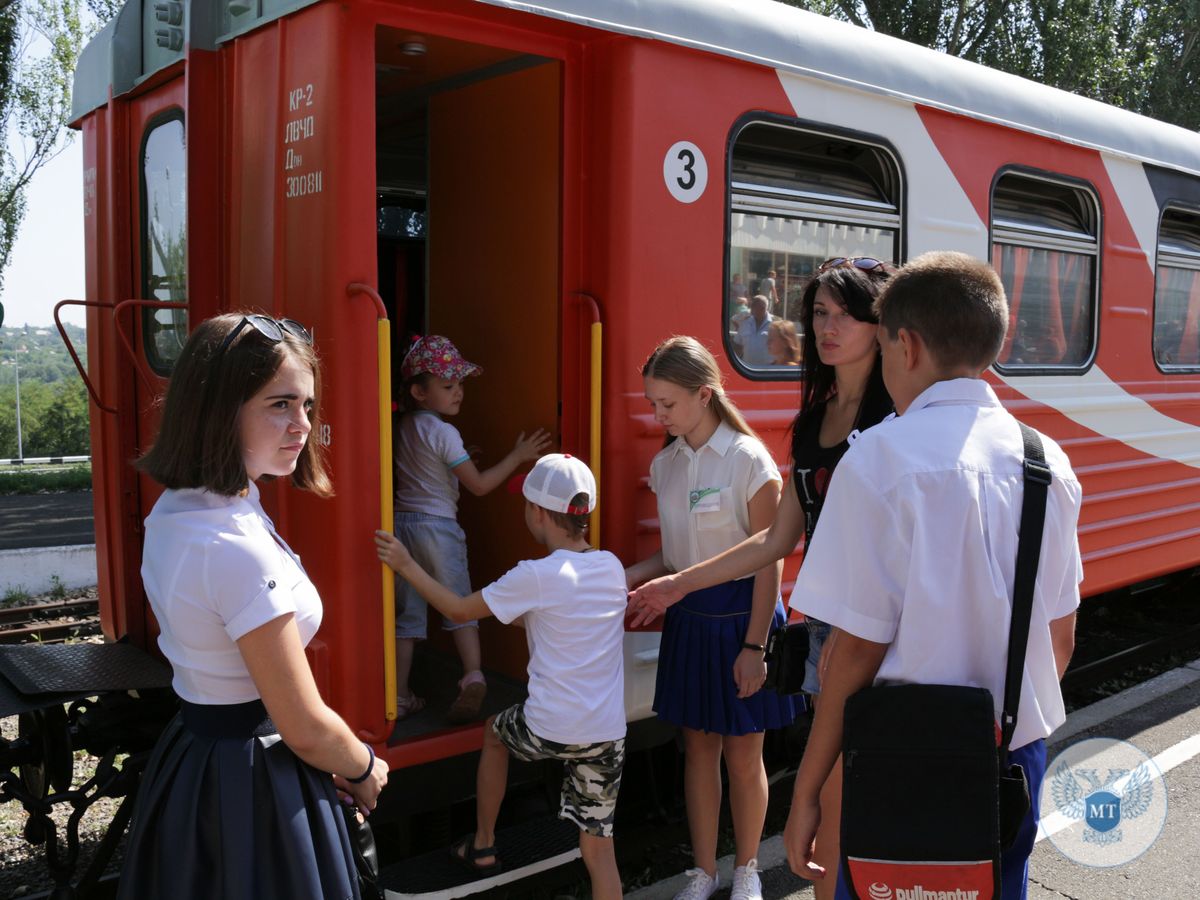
(435, 355)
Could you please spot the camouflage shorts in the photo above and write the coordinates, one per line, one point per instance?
(591, 775)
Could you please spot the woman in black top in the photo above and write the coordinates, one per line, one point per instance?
(843, 394)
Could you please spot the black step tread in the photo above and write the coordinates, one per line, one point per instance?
(524, 849)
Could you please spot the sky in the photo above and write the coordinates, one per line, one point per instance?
(47, 260)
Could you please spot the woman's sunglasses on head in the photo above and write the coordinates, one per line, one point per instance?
(863, 263)
(272, 329)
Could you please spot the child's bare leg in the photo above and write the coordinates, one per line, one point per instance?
(747, 793)
(601, 861)
(490, 782)
(404, 660)
(466, 642)
(702, 791)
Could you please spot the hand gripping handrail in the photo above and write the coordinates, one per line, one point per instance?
(384, 361)
(145, 374)
(87, 382)
(596, 329)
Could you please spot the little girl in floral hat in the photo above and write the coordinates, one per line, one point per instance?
(431, 462)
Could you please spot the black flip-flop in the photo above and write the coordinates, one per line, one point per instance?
(466, 854)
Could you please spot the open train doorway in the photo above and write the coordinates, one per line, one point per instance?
(468, 150)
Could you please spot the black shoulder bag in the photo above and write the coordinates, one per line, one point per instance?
(904, 833)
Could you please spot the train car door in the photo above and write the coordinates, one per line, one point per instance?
(157, 147)
(468, 143)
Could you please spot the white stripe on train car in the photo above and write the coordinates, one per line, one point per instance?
(1137, 199)
(1099, 404)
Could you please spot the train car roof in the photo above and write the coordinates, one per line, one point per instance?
(791, 39)
(131, 47)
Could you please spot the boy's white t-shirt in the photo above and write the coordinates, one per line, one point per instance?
(427, 449)
(574, 609)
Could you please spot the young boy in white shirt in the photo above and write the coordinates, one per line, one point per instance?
(573, 604)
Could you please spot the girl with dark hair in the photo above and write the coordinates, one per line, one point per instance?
(843, 394)
(716, 484)
(238, 799)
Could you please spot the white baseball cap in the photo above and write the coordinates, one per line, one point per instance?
(555, 480)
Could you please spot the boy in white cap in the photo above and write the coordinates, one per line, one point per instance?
(573, 605)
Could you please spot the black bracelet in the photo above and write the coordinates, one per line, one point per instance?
(370, 767)
(746, 645)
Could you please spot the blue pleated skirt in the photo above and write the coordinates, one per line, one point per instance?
(227, 810)
(701, 639)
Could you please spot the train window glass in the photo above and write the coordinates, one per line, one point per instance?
(797, 198)
(164, 239)
(1045, 245)
(1177, 292)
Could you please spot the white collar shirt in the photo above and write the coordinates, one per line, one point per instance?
(916, 548)
(703, 494)
(215, 569)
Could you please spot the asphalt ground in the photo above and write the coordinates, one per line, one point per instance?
(1162, 719)
(46, 520)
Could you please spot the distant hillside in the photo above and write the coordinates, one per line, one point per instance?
(40, 352)
(54, 403)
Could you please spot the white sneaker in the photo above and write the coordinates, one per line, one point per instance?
(700, 885)
(746, 885)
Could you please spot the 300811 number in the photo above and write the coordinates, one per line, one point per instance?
(303, 185)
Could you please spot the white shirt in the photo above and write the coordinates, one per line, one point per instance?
(574, 609)
(752, 337)
(214, 570)
(426, 452)
(703, 494)
(917, 545)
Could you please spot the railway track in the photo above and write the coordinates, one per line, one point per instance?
(52, 622)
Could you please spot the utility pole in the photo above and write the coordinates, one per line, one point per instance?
(20, 448)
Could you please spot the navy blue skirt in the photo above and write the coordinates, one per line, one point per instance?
(226, 809)
(701, 639)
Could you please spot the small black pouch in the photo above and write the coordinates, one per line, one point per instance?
(366, 857)
(787, 651)
(1014, 803)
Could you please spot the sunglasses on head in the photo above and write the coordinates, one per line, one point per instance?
(864, 263)
(272, 329)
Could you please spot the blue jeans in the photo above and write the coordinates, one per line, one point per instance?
(818, 634)
(1014, 862)
(439, 546)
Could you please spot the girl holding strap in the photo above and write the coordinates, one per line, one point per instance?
(237, 800)
(843, 393)
(716, 484)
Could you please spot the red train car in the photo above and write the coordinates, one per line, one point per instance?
(558, 185)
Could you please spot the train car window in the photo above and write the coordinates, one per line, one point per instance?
(1177, 292)
(797, 198)
(164, 238)
(1046, 245)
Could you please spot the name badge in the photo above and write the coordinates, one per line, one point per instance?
(704, 500)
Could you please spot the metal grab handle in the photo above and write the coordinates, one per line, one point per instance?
(71, 349)
(595, 386)
(147, 377)
(384, 356)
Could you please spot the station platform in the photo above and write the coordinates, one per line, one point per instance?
(1160, 717)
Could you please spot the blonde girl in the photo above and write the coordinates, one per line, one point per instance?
(716, 485)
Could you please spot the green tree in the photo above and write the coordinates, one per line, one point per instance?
(1135, 54)
(61, 424)
(40, 42)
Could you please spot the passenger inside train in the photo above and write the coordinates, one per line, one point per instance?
(431, 462)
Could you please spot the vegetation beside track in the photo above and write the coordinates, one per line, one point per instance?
(45, 479)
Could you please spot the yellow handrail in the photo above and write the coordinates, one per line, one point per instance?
(384, 357)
